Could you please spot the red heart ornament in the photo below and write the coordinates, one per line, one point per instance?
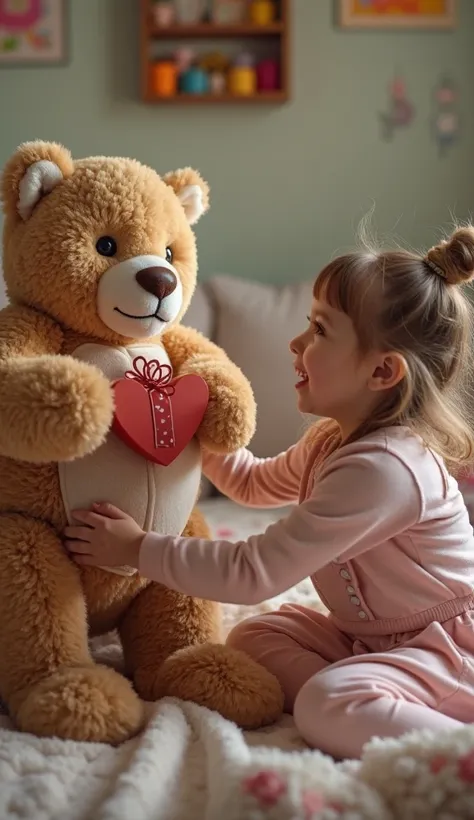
(155, 415)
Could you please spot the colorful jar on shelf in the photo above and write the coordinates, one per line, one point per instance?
(164, 78)
(262, 12)
(218, 82)
(268, 75)
(194, 81)
(242, 81)
(214, 61)
(190, 12)
(184, 58)
(228, 12)
(163, 13)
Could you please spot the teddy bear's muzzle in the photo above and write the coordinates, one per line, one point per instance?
(140, 296)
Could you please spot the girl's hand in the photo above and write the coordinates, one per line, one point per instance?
(109, 538)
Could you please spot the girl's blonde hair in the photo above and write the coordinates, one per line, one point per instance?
(412, 304)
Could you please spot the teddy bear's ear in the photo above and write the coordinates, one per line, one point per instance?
(32, 173)
(191, 190)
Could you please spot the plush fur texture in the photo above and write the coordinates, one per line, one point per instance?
(55, 408)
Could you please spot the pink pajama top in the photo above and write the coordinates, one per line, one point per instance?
(380, 527)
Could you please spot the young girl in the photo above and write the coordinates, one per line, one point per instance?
(381, 526)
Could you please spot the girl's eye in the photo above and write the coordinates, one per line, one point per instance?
(318, 328)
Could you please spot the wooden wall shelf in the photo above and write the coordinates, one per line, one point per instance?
(214, 31)
(160, 42)
(274, 97)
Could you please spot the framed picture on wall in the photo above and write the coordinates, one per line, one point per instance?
(33, 32)
(397, 14)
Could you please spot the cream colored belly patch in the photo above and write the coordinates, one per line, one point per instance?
(159, 498)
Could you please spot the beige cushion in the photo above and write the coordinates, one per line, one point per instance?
(3, 295)
(254, 324)
(199, 314)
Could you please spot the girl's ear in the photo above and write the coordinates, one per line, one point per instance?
(388, 371)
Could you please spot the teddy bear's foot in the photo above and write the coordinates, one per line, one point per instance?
(220, 678)
(89, 703)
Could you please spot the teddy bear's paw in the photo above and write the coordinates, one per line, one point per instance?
(58, 409)
(225, 680)
(90, 703)
(149, 684)
(229, 421)
(225, 430)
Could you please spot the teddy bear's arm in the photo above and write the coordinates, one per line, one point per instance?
(184, 343)
(52, 407)
(229, 422)
(25, 332)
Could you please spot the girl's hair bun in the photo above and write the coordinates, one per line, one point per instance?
(453, 259)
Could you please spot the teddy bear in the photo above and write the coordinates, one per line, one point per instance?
(100, 264)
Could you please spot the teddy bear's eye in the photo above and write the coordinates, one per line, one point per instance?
(106, 246)
(169, 255)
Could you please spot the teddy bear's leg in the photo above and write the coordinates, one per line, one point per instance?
(48, 679)
(171, 648)
(225, 680)
(160, 621)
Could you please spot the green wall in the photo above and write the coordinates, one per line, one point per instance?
(289, 183)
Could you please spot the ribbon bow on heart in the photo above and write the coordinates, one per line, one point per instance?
(156, 378)
(155, 414)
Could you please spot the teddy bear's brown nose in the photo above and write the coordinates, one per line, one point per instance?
(158, 281)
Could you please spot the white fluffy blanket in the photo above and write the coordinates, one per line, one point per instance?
(189, 764)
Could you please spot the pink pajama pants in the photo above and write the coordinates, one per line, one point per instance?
(343, 690)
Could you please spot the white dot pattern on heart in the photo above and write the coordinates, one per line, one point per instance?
(163, 419)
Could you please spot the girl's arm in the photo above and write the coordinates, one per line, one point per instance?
(258, 482)
(361, 500)
(263, 482)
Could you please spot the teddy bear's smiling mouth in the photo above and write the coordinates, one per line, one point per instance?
(154, 315)
(139, 297)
